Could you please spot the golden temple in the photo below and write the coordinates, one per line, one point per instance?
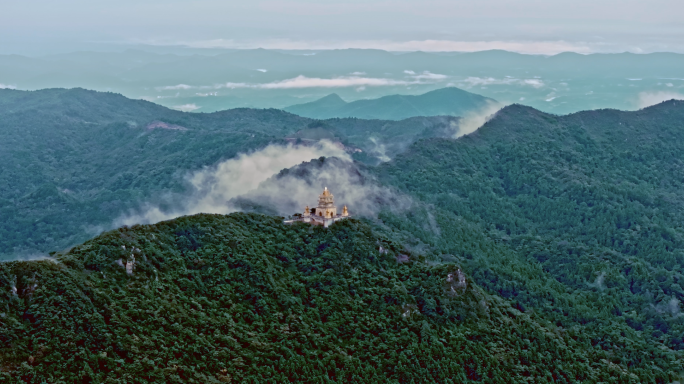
(324, 214)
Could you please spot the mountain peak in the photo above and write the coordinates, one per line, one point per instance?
(331, 97)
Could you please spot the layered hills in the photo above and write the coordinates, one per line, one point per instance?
(449, 101)
(215, 79)
(74, 160)
(565, 231)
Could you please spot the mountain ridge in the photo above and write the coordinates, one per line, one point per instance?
(589, 203)
(567, 229)
(254, 299)
(99, 158)
(442, 102)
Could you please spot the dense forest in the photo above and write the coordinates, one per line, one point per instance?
(75, 160)
(539, 248)
(245, 298)
(576, 218)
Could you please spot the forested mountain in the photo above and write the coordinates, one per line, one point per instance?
(245, 298)
(577, 218)
(74, 160)
(566, 231)
(442, 102)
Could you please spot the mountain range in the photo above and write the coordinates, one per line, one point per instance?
(442, 102)
(206, 80)
(75, 160)
(539, 247)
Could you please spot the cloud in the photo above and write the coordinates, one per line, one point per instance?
(262, 70)
(646, 99)
(186, 107)
(474, 120)
(175, 87)
(479, 81)
(536, 83)
(212, 188)
(379, 150)
(313, 82)
(537, 47)
(291, 191)
(426, 75)
(5, 86)
(317, 82)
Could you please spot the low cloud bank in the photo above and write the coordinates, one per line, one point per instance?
(483, 81)
(5, 86)
(301, 81)
(646, 99)
(536, 47)
(212, 188)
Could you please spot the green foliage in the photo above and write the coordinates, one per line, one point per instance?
(568, 230)
(254, 300)
(577, 218)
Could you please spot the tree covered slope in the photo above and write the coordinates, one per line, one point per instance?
(566, 229)
(442, 102)
(244, 298)
(574, 217)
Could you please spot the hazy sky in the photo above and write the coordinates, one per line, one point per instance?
(530, 26)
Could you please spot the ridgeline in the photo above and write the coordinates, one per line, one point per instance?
(245, 298)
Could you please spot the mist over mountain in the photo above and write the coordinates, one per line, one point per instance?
(553, 240)
(442, 102)
(77, 162)
(382, 192)
(211, 80)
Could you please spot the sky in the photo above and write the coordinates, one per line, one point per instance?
(526, 26)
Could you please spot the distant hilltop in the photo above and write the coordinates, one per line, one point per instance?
(449, 101)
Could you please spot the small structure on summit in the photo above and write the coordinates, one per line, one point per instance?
(324, 214)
